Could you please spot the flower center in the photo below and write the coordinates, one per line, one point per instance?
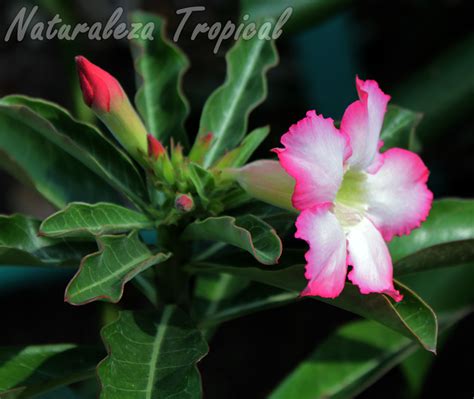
(350, 204)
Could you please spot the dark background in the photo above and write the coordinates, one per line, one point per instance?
(401, 44)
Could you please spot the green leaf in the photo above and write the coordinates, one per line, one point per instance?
(203, 182)
(351, 351)
(282, 220)
(20, 245)
(399, 128)
(152, 355)
(346, 363)
(35, 161)
(222, 297)
(226, 112)
(444, 239)
(160, 68)
(28, 371)
(210, 291)
(240, 155)
(437, 91)
(103, 275)
(305, 13)
(349, 361)
(415, 368)
(78, 219)
(81, 141)
(449, 254)
(411, 317)
(246, 232)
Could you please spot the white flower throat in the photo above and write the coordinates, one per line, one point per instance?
(350, 204)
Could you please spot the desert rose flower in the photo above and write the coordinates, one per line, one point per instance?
(352, 198)
(106, 97)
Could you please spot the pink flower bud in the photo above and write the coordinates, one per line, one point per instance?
(155, 148)
(106, 97)
(100, 89)
(184, 203)
(265, 180)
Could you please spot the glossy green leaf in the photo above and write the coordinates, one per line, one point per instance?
(152, 355)
(28, 371)
(20, 245)
(81, 141)
(160, 66)
(445, 289)
(346, 363)
(304, 13)
(35, 161)
(240, 155)
(78, 219)
(246, 232)
(411, 317)
(449, 254)
(399, 128)
(349, 361)
(103, 275)
(226, 112)
(444, 239)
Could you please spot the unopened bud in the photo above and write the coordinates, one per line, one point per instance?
(184, 203)
(106, 97)
(267, 181)
(155, 148)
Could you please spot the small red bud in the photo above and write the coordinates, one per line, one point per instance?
(184, 203)
(201, 147)
(155, 148)
(207, 139)
(100, 89)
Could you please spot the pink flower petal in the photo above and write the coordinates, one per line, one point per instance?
(326, 267)
(372, 265)
(314, 155)
(362, 122)
(399, 199)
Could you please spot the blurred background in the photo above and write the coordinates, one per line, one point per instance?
(420, 51)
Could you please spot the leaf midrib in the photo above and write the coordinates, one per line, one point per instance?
(228, 115)
(112, 276)
(163, 326)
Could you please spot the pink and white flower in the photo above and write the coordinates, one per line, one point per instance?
(352, 198)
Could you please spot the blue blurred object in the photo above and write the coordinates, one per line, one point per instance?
(327, 61)
(13, 278)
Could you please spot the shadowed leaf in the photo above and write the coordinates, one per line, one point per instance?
(152, 355)
(28, 371)
(81, 141)
(20, 245)
(160, 67)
